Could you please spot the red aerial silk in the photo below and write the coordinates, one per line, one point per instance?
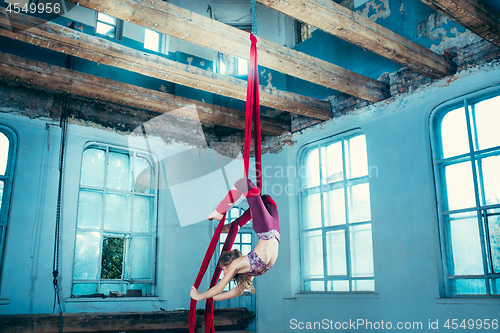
(252, 113)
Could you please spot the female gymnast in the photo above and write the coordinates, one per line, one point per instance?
(243, 269)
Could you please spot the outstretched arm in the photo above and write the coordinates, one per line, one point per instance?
(217, 289)
(235, 292)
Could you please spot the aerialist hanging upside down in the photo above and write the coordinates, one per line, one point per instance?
(244, 268)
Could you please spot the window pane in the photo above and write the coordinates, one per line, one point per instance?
(487, 118)
(242, 67)
(246, 238)
(90, 209)
(361, 250)
(144, 176)
(495, 286)
(332, 162)
(311, 171)
(87, 255)
(490, 168)
(342, 285)
(464, 248)
(467, 287)
(151, 40)
(336, 258)
(106, 18)
(334, 206)
(314, 285)
(459, 186)
(312, 211)
(93, 167)
(494, 233)
(454, 137)
(356, 160)
(313, 255)
(112, 258)
(118, 176)
(141, 257)
(4, 153)
(117, 212)
(143, 209)
(363, 285)
(80, 289)
(245, 249)
(358, 197)
(106, 29)
(107, 287)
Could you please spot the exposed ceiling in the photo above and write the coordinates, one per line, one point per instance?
(326, 15)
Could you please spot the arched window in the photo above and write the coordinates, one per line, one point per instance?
(8, 145)
(466, 156)
(336, 234)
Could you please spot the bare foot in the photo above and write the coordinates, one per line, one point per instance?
(215, 215)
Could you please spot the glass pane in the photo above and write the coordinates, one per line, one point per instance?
(454, 137)
(336, 253)
(311, 172)
(90, 209)
(356, 159)
(242, 67)
(358, 197)
(112, 258)
(144, 176)
(234, 213)
(106, 18)
(106, 29)
(363, 285)
(151, 40)
(361, 250)
(467, 287)
(459, 186)
(490, 168)
(332, 163)
(246, 238)
(143, 213)
(494, 233)
(245, 249)
(313, 254)
(1, 194)
(314, 286)
(117, 212)
(342, 285)
(107, 287)
(80, 289)
(4, 153)
(487, 118)
(312, 211)
(118, 176)
(93, 167)
(141, 258)
(87, 254)
(495, 286)
(334, 206)
(464, 248)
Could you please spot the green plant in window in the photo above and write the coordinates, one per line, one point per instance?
(112, 258)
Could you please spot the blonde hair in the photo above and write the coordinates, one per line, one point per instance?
(243, 281)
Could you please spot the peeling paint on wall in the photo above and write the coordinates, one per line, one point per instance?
(376, 9)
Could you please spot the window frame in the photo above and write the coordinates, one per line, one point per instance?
(439, 162)
(347, 182)
(118, 26)
(8, 179)
(126, 235)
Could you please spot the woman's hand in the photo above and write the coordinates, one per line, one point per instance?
(225, 228)
(215, 215)
(195, 294)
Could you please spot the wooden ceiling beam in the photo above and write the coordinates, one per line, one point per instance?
(474, 15)
(361, 31)
(32, 73)
(166, 18)
(52, 36)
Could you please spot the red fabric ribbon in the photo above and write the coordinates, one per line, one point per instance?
(252, 113)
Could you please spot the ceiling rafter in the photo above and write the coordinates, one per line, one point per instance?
(62, 39)
(361, 31)
(32, 73)
(474, 15)
(197, 29)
